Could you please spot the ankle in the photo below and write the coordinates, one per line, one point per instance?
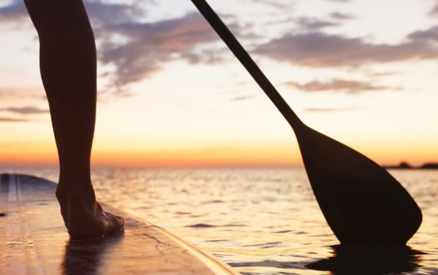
(75, 191)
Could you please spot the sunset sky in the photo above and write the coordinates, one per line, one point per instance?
(172, 95)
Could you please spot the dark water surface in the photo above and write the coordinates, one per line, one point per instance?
(263, 221)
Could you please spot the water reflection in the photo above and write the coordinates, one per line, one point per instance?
(268, 205)
(87, 256)
(369, 260)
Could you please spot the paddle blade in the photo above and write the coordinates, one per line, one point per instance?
(362, 203)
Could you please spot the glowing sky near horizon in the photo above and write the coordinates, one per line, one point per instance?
(171, 94)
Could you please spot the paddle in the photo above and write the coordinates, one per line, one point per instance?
(362, 203)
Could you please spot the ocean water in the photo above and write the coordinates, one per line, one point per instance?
(262, 221)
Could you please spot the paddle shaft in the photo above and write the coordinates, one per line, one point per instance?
(246, 60)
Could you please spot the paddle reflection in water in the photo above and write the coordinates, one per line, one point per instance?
(369, 260)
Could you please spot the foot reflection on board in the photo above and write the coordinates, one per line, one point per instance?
(88, 256)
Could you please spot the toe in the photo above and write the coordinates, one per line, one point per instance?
(116, 222)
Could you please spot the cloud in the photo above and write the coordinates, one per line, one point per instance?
(317, 49)
(20, 93)
(98, 11)
(434, 11)
(430, 35)
(339, 85)
(104, 15)
(311, 23)
(6, 119)
(136, 49)
(274, 4)
(25, 110)
(326, 110)
(341, 16)
(149, 45)
(241, 98)
(383, 74)
(16, 11)
(133, 50)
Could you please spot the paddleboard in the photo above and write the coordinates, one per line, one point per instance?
(33, 240)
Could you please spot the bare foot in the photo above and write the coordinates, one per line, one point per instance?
(84, 217)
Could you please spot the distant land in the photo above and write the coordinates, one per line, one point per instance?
(405, 165)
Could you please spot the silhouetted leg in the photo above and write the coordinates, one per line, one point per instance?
(68, 71)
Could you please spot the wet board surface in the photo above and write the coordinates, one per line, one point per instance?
(33, 240)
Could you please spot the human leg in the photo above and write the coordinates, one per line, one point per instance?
(68, 71)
